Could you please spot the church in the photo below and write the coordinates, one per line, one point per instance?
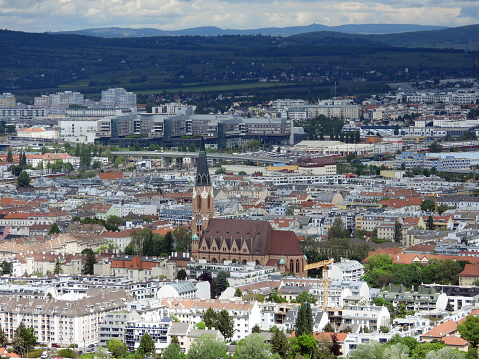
(217, 240)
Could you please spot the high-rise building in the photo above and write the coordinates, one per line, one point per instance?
(118, 97)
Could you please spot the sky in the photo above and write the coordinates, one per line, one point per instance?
(63, 15)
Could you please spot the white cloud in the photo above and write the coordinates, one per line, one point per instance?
(44, 15)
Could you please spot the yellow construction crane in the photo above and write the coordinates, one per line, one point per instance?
(324, 265)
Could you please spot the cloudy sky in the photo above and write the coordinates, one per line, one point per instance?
(58, 15)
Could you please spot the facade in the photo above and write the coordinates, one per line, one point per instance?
(371, 317)
(346, 270)
(113, 326)
(118, 96)
(243, 241)
(83, 131)
(62, 322)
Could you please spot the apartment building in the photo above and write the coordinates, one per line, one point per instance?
(60, 321)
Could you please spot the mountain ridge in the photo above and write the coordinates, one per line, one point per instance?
(114, 32)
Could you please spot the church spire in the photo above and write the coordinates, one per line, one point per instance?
(202, 173)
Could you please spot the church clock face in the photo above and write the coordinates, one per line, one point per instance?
(198, 221)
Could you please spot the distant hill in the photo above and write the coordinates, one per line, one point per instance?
(305, 64)
(269, 31)
(463, 37)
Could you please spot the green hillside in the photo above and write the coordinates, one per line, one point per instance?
(33, 63)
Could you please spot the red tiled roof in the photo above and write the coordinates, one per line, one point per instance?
(110, 175)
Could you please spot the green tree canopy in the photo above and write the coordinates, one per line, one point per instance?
(469, 330)
(23, 179)
(304, 321)
(253, 347)
(207, 347)
(116, 347)
(147, 346)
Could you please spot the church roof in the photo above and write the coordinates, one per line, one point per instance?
(258, 236)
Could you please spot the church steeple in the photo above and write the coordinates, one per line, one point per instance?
(202, 173)
(202, 200)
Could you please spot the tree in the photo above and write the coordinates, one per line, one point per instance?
(210, 317)
(54, 229)
(23, 179)
(238, 293)
(201, 325)
(58, 267)
(9, 157)
(338, 230)
(397, 351)
(23, 338)
(428, 206)
(89, 261)
(430, 223)
(328, 328)
(256, 329)
(304, 321)
(67, 353)
(3, 338)
(225, 323)
(469, 330)
(221, 280)
(252, 347)
(369, 350)
(6, 267)
(220, 171)
(280, 344)
(181, 275)
(435, 147)
(182, 239)
(116, 347)
(445, 352)
(114, 220)
(168, 243)
(335, 347)
(207, 347)
(172, 351)
(398, 231)
(213, 288)
(147, 346)
(305, 297)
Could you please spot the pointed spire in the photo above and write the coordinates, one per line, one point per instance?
(202, 173)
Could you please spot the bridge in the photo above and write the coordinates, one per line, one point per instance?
(214, 157)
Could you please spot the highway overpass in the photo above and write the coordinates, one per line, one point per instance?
(215, 157)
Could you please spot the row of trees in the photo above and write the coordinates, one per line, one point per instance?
(381, 271)
(145, 242)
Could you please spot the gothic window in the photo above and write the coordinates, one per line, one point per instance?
(297, 265)
(209, 203)
(198, 201)
(291, 265)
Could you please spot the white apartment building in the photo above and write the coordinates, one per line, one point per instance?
(82, 131)
(347, 270)
(137, 209)
(371, 317)
(246, 315)
(118, 96)
(59, 321)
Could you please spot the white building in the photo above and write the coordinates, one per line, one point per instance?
(83, 131)
(371, 317)
(246, 315)
(348, 270)
(119, 97)
(138, 209)
(62, 322)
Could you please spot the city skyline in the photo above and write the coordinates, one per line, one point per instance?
(65, 15)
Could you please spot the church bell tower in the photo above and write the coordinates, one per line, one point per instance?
(202, 200)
